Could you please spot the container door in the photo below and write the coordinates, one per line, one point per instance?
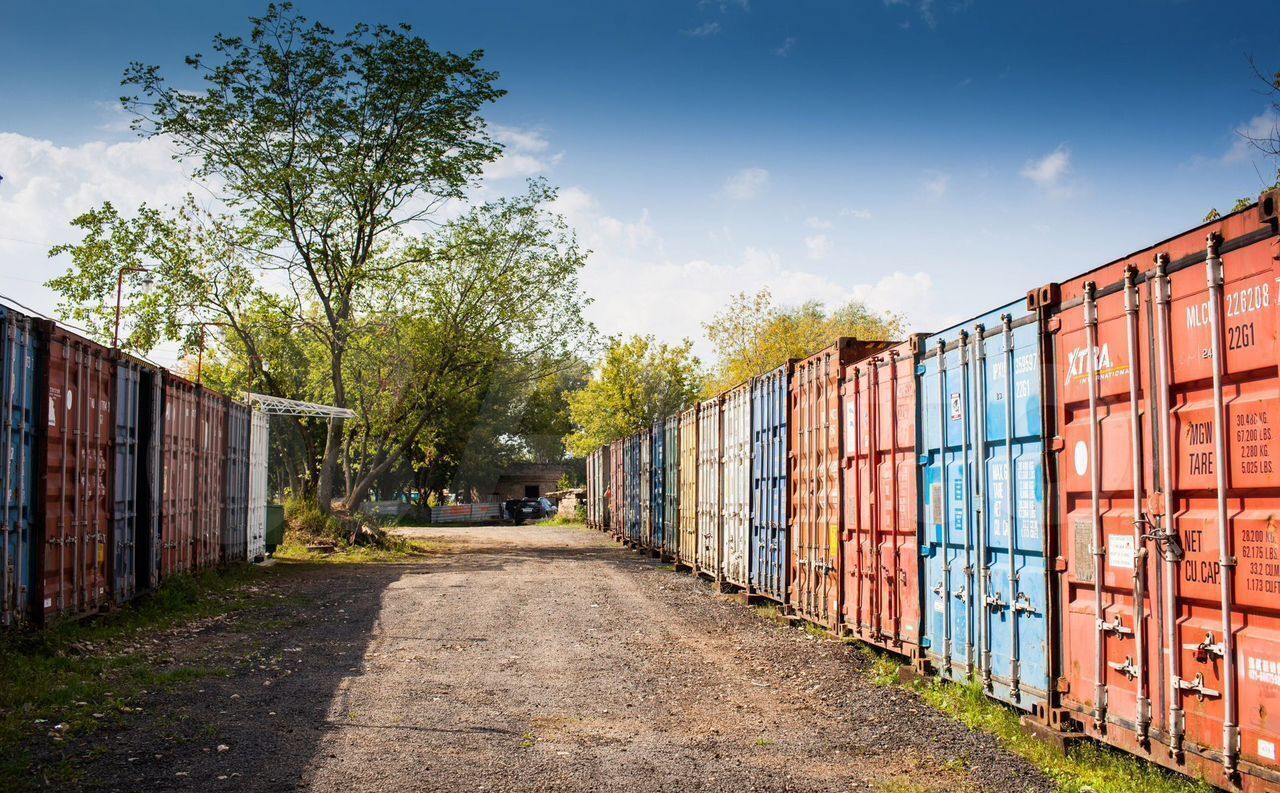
(259, 443)
(17, 403)
(125, 475)
(899, 549)
(816, 500)
(736, 496)
(671, 488)
(689, 487)
(769, 481)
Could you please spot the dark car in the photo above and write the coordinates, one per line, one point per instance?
(522, 509)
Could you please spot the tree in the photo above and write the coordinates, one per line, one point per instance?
(1266, 141)
(637, 382)
(752, 335)
(324, 148)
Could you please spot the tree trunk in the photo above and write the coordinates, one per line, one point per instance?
(333, 438)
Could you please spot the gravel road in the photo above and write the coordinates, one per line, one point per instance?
(530, 658)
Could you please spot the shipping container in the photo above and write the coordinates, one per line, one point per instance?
(17, 476)
(735, 492)
(211, 477)
(235, 513)
(817, 511)
(770, 497)
(657, 486)
(135, 478)
(688, 507)
(74, 384)
(178, 495)
(710, 457)
(1166, 403)
(631, 499)
(984, 573)
(671, 488)
(617, 489)
(881, 603)
(259, 446)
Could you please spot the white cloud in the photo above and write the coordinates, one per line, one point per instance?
(936, 184)
(817, 223)
(818, 246)
(599, 231)
(856, 214)
(787, 45)
(746, 184)
(702, 31)
(1265, 125)
(526, 140)
(524, 154)
(1049, 169)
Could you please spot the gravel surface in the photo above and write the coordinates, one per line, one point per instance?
(530, 658)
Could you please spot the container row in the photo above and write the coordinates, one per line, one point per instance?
(1072, 499)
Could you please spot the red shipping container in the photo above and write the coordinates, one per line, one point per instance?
(1167, 402)
(881, 551)
(817, 511)
(181, 437)
(211, 477)
(73, 453)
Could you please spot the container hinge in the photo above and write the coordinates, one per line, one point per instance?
(962, 593)
(1116, 627)
(1125, 668)
(937, 590)
(1023, 603)
(1197, 685)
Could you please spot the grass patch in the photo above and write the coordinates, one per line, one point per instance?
(392, 549)
(76, 677)
(882, 668)
(565, 520)
(1087, 767)
(816, 631)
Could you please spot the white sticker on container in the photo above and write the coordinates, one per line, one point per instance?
(955, 407)
(939, 607)
(1120, 551)
(1082, 458)
(48, 603)
(1266, 750)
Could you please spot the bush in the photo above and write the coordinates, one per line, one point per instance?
(304, 523)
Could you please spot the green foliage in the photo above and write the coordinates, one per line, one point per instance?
(638, 381)
(753, 335)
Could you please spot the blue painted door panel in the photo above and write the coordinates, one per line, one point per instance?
(657, 510)
(770, 495)
(983, 542)
(17, 403)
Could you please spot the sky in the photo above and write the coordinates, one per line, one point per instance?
(931, 158)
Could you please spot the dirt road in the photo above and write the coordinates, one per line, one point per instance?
(531, 658)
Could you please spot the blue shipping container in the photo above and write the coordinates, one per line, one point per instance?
(770, 495)
(985, 578)
(671, 487)
(657, 489)
(631, 502)
(135, 479)
(17, 394)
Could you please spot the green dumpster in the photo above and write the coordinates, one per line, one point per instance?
(275, 527)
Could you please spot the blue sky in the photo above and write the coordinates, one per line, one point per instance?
(933, 158)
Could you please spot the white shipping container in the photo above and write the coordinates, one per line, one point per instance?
(259, 444)
(735, 494)
(709, 460)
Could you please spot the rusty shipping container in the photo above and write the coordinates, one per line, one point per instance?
(817, 511)
(1165, 388)
(73, 451)
(18, 350)
(235, 520)
(617, 490)
(688, 506)
(178, 497)
(137, 424)
(880, 544)
(710, 457)
(735, 492)
(770, 495)
(211, 477)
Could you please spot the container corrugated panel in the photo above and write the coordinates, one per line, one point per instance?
(656, 470)
(178, 503)
(259, 445)
(671, 488)
(1165, 374)
(235, 521)
(74, 487)
(770, 497)
(631, 502)
(710, 461)
(735, 494)
(211, 474)
(17, 468)
(617, 489)
(135, 512)
(881, 551)
(985, 577)
(817, 510)
(593, 478)
(688, 506)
